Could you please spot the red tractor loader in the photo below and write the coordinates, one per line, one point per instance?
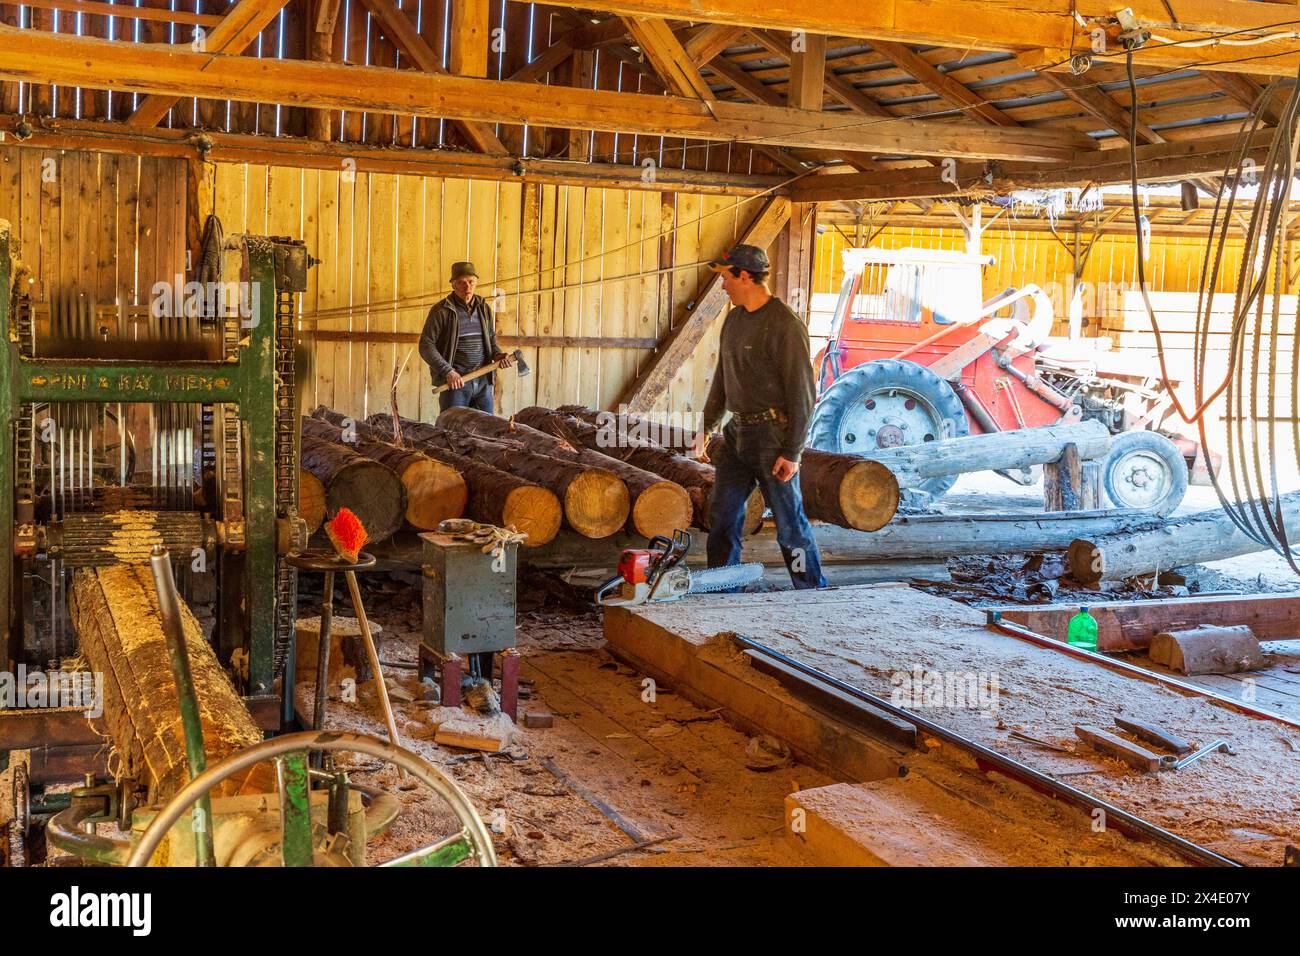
(915, 355)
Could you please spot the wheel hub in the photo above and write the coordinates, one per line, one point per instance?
(888, 419)
(1144, 478)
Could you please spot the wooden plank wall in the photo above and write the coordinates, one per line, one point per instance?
(548, 256)
(106, 225)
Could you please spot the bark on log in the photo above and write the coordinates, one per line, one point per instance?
(658, 506)
(434, 489)
(628, 446)
(495, 497)
(115, 612)
(1195, 539)
(1209, 650)
(913, 464)
(843, 489)
(596, 501)
(311, 500)
(371, 490)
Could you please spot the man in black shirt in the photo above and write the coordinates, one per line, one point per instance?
(764, 379)
(458, 337)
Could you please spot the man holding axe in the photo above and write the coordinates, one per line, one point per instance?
(459, 344)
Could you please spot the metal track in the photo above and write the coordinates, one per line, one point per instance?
(1121, 819)
(996, 622)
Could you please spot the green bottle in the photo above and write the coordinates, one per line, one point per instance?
(1083, 630)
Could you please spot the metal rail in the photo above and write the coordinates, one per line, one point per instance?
(996, 622)
(1124, 821)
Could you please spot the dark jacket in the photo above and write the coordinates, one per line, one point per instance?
(441, 328)
(763, 364)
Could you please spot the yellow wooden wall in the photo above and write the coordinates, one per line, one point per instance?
(382, 237)
(108, 226)
(1024, 256)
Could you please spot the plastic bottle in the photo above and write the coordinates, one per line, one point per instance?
(1083, 630)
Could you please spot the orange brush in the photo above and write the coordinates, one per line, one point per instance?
(347, 534)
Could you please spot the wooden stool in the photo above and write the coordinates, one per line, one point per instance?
(329, 564)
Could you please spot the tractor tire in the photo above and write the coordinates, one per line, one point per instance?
(1144, 470)
(886, 403)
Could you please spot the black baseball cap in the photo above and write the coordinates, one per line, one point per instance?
(750, 258)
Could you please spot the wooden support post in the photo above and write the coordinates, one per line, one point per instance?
(1063, 481)
(469, 38)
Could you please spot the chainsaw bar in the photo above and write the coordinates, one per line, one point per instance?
(719, 579)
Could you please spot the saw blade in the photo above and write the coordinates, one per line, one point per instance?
(719, 579)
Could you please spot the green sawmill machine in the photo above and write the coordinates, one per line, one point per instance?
(150, 479)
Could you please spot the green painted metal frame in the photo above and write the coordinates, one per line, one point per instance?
(248, 384)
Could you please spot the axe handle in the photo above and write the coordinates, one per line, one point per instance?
(470, 376)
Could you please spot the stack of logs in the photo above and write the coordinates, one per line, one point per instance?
(544, 468)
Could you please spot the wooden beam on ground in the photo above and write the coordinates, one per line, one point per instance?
(291, 151)
(678, 345)
(1009, 25)
(468, 53)
(934, 79)
(401, 29)
(233, 35)
(1127, 625)
(63, 60)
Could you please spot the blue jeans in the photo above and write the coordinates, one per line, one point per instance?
(751, 452)
(476, 394)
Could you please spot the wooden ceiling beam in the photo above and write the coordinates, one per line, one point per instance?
(401, 30)
(1007, 25)
(836, 85)
(233, 35)
(63, 60)
(1099, 104)
(932, 78)
(710, 41)
(100, 136)
(1164, 162)
(1246, 92)
(467, 53)
(668, 57)
(808, 72)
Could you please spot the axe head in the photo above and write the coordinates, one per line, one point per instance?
(520, 364)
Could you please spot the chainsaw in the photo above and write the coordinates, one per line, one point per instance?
(658, 572)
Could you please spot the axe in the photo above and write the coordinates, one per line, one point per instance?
(520, 364)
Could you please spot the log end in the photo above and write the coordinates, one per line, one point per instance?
(311, 500)
(662, 508)
(434, 491)
(374, 493)
(596, 503)
(534, 511)
(1087, 561)
(869, 496)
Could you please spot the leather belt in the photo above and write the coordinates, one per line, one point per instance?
(759, 418)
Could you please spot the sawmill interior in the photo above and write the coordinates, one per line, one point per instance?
(650, 435)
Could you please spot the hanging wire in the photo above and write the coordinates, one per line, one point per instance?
(1253, 415)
